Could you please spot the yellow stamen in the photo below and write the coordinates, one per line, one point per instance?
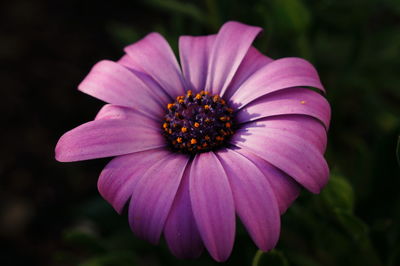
(193, 141)
(198, 96)
(206, 107)
(169, 106)
(219, 138)
(179, 140)
(165, 125)
(184, 129)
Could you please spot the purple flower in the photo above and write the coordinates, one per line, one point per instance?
(228, 132)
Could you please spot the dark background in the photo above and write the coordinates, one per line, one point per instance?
(52, 214)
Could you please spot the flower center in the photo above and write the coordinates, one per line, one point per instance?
(198, 123)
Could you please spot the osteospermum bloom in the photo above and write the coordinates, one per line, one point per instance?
(227, 132)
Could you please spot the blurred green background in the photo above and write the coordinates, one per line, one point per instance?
(52, 214)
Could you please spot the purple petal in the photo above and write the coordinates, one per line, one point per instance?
(288, 152)
(180, 230)
(213, 205)
(108, 137)
(115, 84)
(311, 131)
(153, 195)
(252, 62)
(290, 101)
(230, 47)
(154, 87)
(110, 111)
(255, 201)
(195, 55)
(279, 74)
(155, 57)
(286, 190)
(118, 178)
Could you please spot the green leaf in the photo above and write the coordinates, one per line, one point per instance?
(338, 194)
(271, 258)
(183, 8)
(120, 258)
(292, 15)
(359, 232)
(83, 240)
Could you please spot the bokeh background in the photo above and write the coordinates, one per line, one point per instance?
(52, 214)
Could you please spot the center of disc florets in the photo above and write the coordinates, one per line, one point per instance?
(198, 122)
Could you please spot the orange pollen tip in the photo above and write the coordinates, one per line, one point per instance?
(193, 141)
(215, 98)
(165, 125)
(189, 92)
(303, 102)
(223, 118)
(228, 124)
(205, 144)
(184, 129)
(219, 138)
(181, 101)
(196, 124)
(207, 137)
(206, 107)
(198, 96)
(179, 140)
(169, 106)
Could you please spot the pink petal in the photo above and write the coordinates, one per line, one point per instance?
(155, 57)
(195, 55)
(181, 231)
(213, 205)
(153, 195)
(230, 47)
(252, 62)
(308, 129)
(154, 87)
(286, 190)
(288, 152)
(290, 101)
(115, 84)
(255, 201)
(118, 178)
(108, 137)
(279, 74)
(110, 111)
